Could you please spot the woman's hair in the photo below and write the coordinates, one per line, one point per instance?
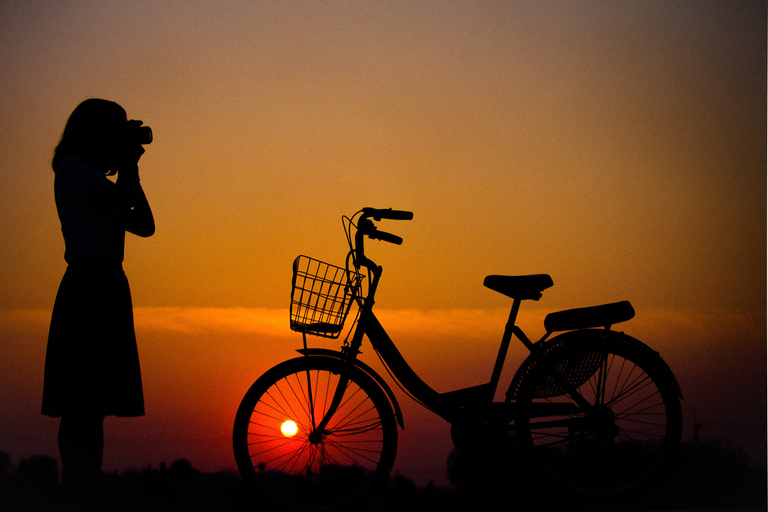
(91, 132)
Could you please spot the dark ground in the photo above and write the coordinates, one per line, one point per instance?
(705, 477)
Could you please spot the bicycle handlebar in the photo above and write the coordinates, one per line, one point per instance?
(366, 228)
(388, 213)
(386, 237)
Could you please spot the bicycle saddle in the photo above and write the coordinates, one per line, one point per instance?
(519, 287)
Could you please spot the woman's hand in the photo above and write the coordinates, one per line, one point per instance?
(127, 162)
(128, 150)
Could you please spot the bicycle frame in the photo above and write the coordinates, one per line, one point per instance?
(447, 405)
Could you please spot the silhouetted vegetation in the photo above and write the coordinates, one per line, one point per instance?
(704, 476)
(708, 475)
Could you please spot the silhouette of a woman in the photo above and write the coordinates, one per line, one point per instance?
(92, 363)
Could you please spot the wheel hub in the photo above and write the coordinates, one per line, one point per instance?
(317, 436)
(601, 421)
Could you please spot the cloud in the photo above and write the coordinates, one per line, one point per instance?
(196, 321)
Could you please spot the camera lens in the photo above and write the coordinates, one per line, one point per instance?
(145, 135)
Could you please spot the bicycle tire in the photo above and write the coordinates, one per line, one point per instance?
(633, 424)
(353, 458)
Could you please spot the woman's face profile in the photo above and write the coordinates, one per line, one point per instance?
(107, 152)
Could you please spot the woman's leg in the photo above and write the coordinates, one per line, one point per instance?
(81, 447)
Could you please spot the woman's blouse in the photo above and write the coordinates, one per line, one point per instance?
(88, 207)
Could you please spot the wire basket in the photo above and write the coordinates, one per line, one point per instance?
(321, 297)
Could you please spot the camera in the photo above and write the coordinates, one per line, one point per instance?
(138, 134)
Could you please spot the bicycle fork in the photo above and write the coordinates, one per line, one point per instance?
(319, 431)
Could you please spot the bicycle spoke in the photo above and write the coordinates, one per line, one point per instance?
(354, 455)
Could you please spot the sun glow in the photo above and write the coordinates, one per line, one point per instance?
(289, 428)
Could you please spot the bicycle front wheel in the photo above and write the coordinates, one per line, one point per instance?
(279, 447)
(627, 423)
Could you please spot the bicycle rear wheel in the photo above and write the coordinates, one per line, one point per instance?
(278, 447)
(633, 420)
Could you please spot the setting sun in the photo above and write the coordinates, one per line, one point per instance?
(289, 428)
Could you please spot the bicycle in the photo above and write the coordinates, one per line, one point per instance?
(595, 408)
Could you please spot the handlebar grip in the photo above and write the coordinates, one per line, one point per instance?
(388, 213)
(386, 237)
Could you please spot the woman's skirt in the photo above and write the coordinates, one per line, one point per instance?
(92, 363)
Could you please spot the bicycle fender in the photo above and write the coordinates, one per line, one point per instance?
(579, 335)
(324, 352)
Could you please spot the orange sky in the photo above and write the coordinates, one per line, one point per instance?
(618, 146)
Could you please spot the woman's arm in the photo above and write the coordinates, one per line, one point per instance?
(135, 212)
(125, 200)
